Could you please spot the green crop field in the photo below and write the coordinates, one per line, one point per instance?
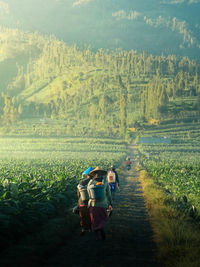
(39, 177)
(176, 167)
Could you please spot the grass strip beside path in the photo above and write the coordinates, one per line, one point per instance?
(176, 234)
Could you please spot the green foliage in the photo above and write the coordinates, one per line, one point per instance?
(39, 178)
(59, 82)
(175, 166)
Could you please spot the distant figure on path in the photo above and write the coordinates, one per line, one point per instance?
(128, 163)
(99, 200)
(83, 198)
(113, 180)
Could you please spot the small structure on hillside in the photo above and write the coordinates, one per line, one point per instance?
(154, 122)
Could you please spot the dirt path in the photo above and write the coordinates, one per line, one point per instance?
(129, 239)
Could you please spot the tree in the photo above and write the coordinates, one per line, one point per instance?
(164, 99)
(102, 106)
(20, 109)
(143, 103)
(93, 115)
(123, 114)
(196, 83)
(128, 93)
(123, 105)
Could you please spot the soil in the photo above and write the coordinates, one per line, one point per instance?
(129, 237)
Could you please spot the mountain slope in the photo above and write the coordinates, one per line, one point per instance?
(104, 91)
(155, 26)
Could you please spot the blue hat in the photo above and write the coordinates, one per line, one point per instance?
(87, 172)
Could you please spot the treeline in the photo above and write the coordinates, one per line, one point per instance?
(159, 98)
(106, 91)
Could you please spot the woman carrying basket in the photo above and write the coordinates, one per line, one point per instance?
(99, 201)
(83, 198)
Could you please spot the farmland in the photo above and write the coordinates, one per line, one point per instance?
(176, 166)
(39, 177)
(170, 179)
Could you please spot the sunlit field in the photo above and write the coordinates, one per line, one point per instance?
(177, 169)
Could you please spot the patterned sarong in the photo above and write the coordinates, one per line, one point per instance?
(98, 217)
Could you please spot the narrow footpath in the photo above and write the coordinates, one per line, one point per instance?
(129, 240)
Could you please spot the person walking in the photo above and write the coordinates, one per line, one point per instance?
(128, 163)
(83, 198)
(113, 180)
(99, 200)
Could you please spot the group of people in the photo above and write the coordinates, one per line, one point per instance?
(96, 192)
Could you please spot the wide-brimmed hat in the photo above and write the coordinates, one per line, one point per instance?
(98, 169)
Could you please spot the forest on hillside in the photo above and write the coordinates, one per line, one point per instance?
(104, 91)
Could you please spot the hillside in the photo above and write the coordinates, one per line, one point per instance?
(47, 82)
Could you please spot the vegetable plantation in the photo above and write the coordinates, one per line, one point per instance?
(177, 169)
(38, 179)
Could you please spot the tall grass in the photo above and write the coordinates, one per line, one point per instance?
(176, 234)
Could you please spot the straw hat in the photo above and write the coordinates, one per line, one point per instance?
(98, 169)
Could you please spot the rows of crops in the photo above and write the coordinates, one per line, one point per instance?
(177, 169)
(39, 184)
(181, 132)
